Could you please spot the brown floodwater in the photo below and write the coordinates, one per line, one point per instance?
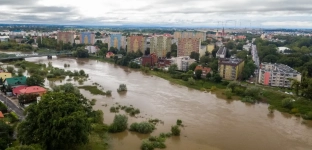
(210, 123)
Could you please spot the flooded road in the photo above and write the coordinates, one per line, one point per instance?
(210, 123)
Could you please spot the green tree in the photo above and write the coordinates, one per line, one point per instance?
(172, 68)
(35, 80)
(217, 78)
(10, 69)
(58, 121)
(195, 56)
(193, 66)
(232, 85)
(20, 72)
(6, 132)
(198, 73)
(295, 84)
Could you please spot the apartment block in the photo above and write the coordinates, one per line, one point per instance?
(190, 34)
(188, 45)
(65, 37)
(221, 53)
(116, 40)
(182, 62)
(210, 48)
(136, 43)
(87, 38)
(277, 75)
(230, 68)
(160, 45)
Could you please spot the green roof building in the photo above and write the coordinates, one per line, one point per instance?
(16, 81)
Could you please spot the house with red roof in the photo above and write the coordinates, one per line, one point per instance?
(110, 54)
(16, 90)
(1, 115)
(205, 70)
(33, 90)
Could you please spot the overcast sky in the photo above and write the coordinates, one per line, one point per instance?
(257, 13)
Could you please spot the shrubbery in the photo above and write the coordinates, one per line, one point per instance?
(119, 124)
(287, 103)
(143, 127)
(122, 88)
(175, 130)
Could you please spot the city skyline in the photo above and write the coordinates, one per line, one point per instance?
(183, 13)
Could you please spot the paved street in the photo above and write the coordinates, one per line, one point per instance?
(12, 106)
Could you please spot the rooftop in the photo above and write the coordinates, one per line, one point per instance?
(1, 115)
(280, 68)
(221, 51)
(32, 89)
(230, 61)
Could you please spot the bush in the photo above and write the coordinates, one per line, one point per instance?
(93, 101)
(143, 127)
(213, 88)
(287, 103)
(252, 92)
(228, 93)
(108, 93)
(147, 145)
(113, 109)
(248, 99)
(179, 122)
(119, 124)
(122, 88)
(294, 111)
(308, 116)
(239, 91)
(3, 108)
(50, 76)
(225, 83)
(191, 81)
(175, 130)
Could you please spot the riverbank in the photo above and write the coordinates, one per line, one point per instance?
(300, 106)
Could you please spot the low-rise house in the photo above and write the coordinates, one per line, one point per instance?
(149, 60)
(110, 54)
(5, 75)
(1, 115)
(17, 90)
(4, 38)
(14, 82)
(92, 49)
(33, 90)
(205, 70)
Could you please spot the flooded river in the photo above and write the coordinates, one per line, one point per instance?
(210, 123)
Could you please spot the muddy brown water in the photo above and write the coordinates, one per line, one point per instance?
(210, 123)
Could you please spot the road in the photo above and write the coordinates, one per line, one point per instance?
(12, 106)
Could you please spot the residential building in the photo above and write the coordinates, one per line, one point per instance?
(190, 34)
(65, 37)
(17, 90)
(188, 45)
(230, 68)
(136, 43)
(110, 54)
(221, 53)
(282, 49)
(210, 48)
(160, 45)
(4, 38)
(163, 62)
(202, 50)
(15, 81)
(183, 62)
(205, 70)
(4, 75)
(92, 49)
(247, 47)
(116, 41)
(1, 115)
(277, 75)
(219, 44)
(33, 90)
(87, 38)
(149, 60)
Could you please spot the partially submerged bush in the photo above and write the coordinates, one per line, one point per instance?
(143, 127)
(179, 122)
(119, 124)
(175, 130)
(108, 92)
(122, 88)
(248, 99)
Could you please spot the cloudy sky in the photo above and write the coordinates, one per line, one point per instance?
(228, 13)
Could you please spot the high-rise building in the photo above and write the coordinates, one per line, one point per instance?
(190, 34)
(65, 37)
(136, 43)
(188, 45)
(160, 45)
(230, 68)
(277, 75)
(116, 41)
(87, 38)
